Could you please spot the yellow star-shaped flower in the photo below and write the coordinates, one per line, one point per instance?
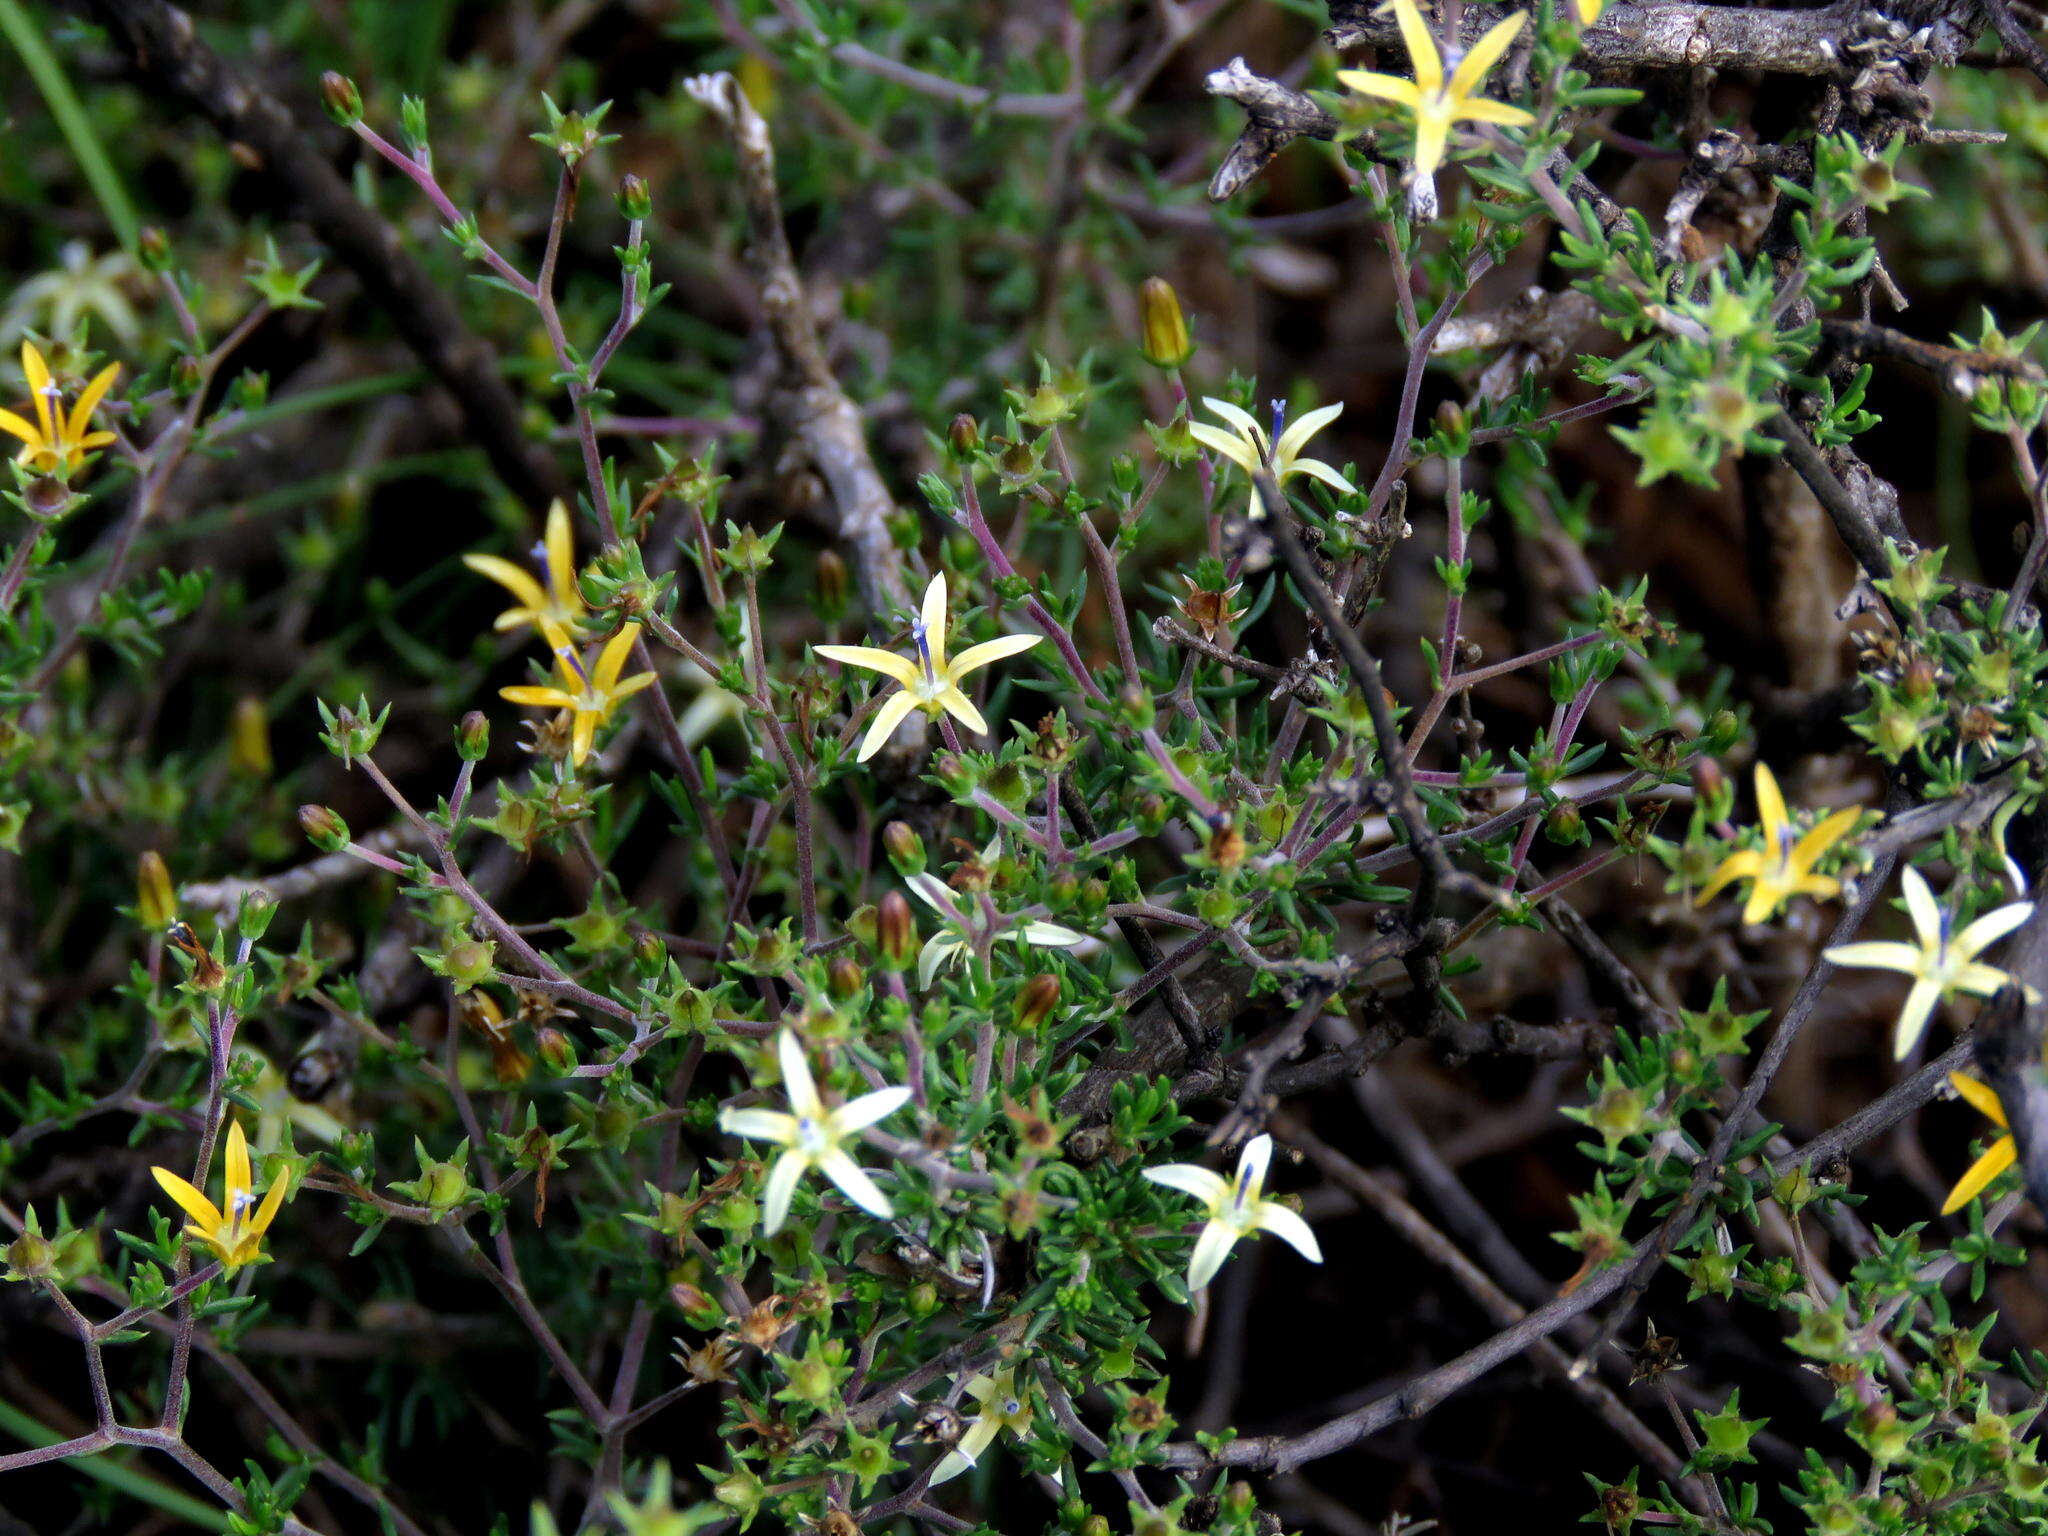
(589, 696)
(1247, 446)
(54, 443)
(1433, 104)
(930, 683)
(1783, 867)
(1997, 1157)
(230, 1229)
(559, 602)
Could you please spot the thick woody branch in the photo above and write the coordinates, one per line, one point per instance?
(812, 407)
(1275, 117)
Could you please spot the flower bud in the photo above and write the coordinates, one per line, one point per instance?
(905, 848)
(472, 737)
(1036, 1000)
(963, 435)
(469, 962)
(186, 376)
(344, 103)
(556, 1049)
(830, 600)
(30, 1257)
(156, 899)
(154, 249)
(844, 978)
(895, 931)
(249, 738)
(635, 202)
(443, 1186)
(325, 830)
(1166, 343)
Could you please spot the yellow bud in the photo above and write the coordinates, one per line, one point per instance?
(156, 899)
(1166, 342)
(249, 738)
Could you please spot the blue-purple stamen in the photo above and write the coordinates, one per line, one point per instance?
(539, 552)
(1279, 418)
(924, 648)
(573, 662)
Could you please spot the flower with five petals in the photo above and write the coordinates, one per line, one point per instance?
(1003, 1407)
(1997, 1157)
(589, 696)
(234, 1229)
(811, 1136)
(1942, 964)
(1236, 1209)
(954, 942)
(56, 443)
(1434, 104)
(931, 682)
(1248, 447)
(559, 602)
(1783, 867)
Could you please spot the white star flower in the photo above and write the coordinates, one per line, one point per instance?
(1236, 1209)
(959, 937)
(1941, 964)
(1003, 1407)
(811, 1136)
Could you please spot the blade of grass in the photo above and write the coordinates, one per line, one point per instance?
(21, 30)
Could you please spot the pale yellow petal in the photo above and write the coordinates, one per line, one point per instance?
(89, 399)
(1744, 863)
(1770, 807)
(976, 657)
(511, 578)
(887, 718)
(1366, 82)
(236, 1159)
(202, 1210)
(961, 708)
(888, 663)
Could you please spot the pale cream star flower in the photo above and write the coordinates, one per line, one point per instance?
(1003, 1407)
(1942, 965)
(1235, 1209)
(812, 1136)
(1248, 447)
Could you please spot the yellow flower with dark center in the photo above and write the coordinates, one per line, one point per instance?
(1997, 1157)
(1433, 104)
(1783, 867)
(930, 683)
(234, 1229)
(589, 696)
(559, 602)
(56, 443)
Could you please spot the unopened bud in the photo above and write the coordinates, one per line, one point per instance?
(154, 249)
(1166, 343)
(469, 962)
(905, 848)
(338, 94)
(472, 736)
(326, 831)
(845, 978)
(963, 435)
(556, 1049)
(635, 202)
(831, 586)
(443, 1186)
(895, 931)
(186, 376)
(156, 899)
(1036, 1000)
(30, 1257)
(249, 738)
